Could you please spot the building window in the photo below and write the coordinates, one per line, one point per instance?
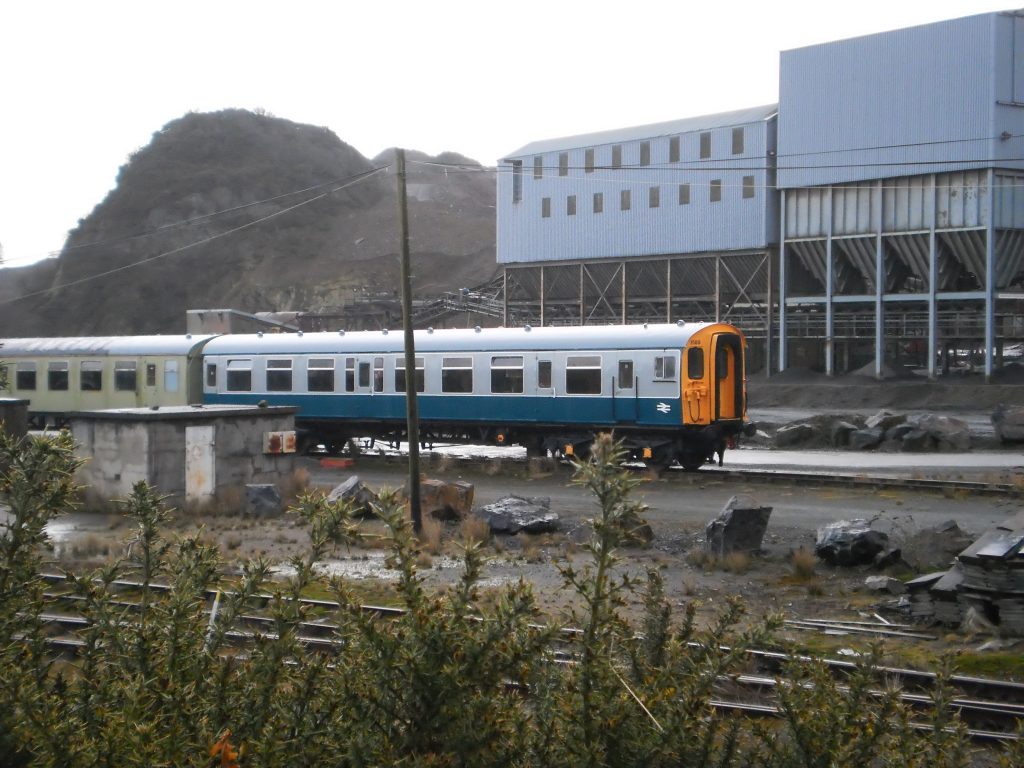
(563, 163)
(695, 363)
(737, 141)
(673, 149)
(538, 167)
(417, 375)
(625, 374)
(544, 374)
(625, 200)
(665, 368)
(517, 180)
(583, 375)
(598, 202)
(645, 153)
(57, 377)
(171, 376)
(124, 375)
(570, 205)
(617, 156)
(320, 374)
(350, 375)
(25, 376)
(457, 374)
(211, 374)
(90, 376)
(705, 145)
(748, 186)
(654, 197)
(684, 194)
(716, 190)
(239, 376)
(507, 375)
(545, 207)
(588, 161)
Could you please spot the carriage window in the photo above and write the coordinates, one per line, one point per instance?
(350, 375)
(583, 375)
(695, 363)
(57, 377)
(4, 374)
(507, 374)
(544, 374)
(150, 374)
(25, 376)
(279, 375)
(211, 374)
(124, 375)
(722, 363)
(171, 376)
(625, 374)
(364, 375)
(320, 374)
(239, 376)
(457, 374)
(400, 374)
(90, 376)
(665, 368)
(378, 374)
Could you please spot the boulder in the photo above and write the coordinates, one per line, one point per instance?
(849, 542)
(916, 440)
(885, 584)
(354, 490)
(885, 420)
(862, 439)
(263, 500)
(839, 434)
(949, 434)
(513, 514)
(1009, 423)
(898, 432)
(739, 527)
(793, 434)
(636, 531)
(446, 501)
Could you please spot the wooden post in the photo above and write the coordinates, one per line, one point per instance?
(411, 412)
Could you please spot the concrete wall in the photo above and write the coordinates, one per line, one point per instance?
(122, 448)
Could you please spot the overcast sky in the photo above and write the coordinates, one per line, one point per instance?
(86, 82)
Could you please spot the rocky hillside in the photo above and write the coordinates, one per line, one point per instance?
(253, 212)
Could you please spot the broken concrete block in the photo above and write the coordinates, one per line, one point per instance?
(739, 527)
(353, 490)
(885, 584)
(444, 500)
(263, 500)
(513, 514)
(849, 542)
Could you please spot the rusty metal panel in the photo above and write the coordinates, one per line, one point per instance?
(961, 200)
(200, 464)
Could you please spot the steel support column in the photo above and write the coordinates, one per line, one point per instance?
(782, 281)
(990, 276)
(830, 352)
(933, 279)
(768, 317)
(718, 288)
(879, 283)
(668, 290)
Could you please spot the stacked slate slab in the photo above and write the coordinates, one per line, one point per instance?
(988, 577)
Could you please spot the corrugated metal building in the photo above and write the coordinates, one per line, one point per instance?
(877, 213)
(643, 223)
(899, 169)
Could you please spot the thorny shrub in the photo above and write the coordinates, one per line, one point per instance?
(453, 681)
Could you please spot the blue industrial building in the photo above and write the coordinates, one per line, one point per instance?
(873, 219)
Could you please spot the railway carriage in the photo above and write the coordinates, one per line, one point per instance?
(671, 392)
(62, 375)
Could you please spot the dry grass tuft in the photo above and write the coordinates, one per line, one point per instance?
(699, 557)
(89, 546)
(430, 535)
(736, 562)
(472, 529)
(803, 563)
(295, 485)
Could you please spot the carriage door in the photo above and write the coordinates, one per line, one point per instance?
(728, 376)
(149, 391)
(624, 392)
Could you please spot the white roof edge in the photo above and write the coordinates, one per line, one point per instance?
(651, 130)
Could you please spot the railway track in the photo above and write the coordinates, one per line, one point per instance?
(991, 709)
(753, 475)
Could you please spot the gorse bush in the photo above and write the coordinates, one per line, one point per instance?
(453, 681)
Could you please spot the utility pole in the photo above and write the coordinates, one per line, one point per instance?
(412, 418)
